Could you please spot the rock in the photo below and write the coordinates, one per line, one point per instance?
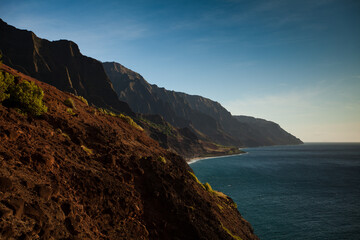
(5, 184)
(33, 211)
(4, 212)
(44, 191)
(11, 133)
(15, 204)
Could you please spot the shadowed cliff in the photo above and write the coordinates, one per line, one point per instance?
(60, 64)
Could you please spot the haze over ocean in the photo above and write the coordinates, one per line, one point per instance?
(308, 191)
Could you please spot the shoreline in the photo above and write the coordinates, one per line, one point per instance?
(197, 159)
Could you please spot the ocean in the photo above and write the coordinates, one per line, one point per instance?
(309, 191)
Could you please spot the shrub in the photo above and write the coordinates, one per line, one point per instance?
(69, 102)
(162, 159)
(70, 111)
(28, 97)
(6, 81)
(81, 98)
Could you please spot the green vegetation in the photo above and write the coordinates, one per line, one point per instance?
(6, 81)
(162, 159)
(128, 119)
(220, 194)
(107, 112)
(70, 111)
(166, 129)
(81, 98)
(69, 102)
(196, 179)
(26, 96)
(230, 233)
(87, 150)
(58, 130)
(208, 187)
(66, 136)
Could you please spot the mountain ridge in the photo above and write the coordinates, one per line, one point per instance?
(204, 116)
(61, 64)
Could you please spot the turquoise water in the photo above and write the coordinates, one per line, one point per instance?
(309, 191)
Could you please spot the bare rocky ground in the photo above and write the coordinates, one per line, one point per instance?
(88, 175)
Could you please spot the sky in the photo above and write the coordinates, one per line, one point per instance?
(295, 62)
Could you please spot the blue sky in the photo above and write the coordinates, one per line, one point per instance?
(293, 62)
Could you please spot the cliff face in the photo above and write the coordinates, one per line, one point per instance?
(60, 64)
(203, 116)
(88, 175)
(150, 99)
(275, 134)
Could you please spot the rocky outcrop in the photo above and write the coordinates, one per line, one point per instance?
(60, 64)
(88, 175)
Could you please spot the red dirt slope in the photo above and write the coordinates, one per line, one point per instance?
(93, 176)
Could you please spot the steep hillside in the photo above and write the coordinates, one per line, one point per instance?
(84, 174)
(60, 64)
(201, 114)
(182, 141)
(150, 99)
(274, 133)
(249, 130)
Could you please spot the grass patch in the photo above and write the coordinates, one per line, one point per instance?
(107, 112)
(128, 119)
(81, 98)
(69, 102)
(220, 194)
(230, 233)
(196, 179)
(87, 150)
(59, 131)
(70, 111)
(208, 187)
(162, 159)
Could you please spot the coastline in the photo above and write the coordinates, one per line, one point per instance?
(197, 159)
